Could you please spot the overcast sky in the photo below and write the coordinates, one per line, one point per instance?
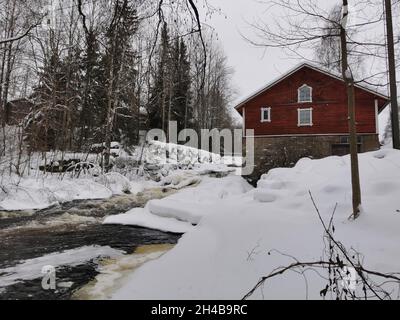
(254, 67)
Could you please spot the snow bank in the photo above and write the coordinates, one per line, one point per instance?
(111, 275)
(29, 193)
(179, 211)
(32, 193)
(180, 180)
(116, 182)
(160, 152)
(143, 218)
(39, 193)
(25, 187)
(157, 152)
(227, 253)
(32, 268)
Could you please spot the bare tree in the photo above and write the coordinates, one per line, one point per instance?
(392, 75)
(16, 23)
(349, 80)
(302, 26)
(328, 53)
(21, 36)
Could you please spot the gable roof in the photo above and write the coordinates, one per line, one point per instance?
(297, 68)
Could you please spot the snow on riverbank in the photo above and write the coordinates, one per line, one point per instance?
(38, 190)
(32, 268)
(178, 212)
(227, 253)
(33, 193)
(112, 273)
(38, 193)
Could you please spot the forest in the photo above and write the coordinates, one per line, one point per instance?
(79, 73)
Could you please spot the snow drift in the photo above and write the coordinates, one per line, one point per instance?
(245, 235)
(177, 213)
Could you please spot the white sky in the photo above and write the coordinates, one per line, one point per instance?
(254, 67)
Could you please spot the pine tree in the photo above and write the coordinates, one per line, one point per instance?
(93, 101)
(160, 94)
(181, 105)
(119, 33)
(51, 124)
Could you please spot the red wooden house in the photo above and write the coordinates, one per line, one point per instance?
(304, 114)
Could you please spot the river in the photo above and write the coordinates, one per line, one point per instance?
(74, 231)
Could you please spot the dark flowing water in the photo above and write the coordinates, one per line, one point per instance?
(29, 235)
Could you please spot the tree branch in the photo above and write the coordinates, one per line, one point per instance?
(17, 38)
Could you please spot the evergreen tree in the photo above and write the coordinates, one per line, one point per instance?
(170, 95)
(56, 99)
(181, 105)
(92, 111)
(159, 103)
(118, 37)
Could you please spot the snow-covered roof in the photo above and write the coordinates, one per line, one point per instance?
(297, 68)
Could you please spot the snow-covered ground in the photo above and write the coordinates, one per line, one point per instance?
(29, 188)
(244, 233)
(41, 192)
(233, 234)
(179, 212)
(24, 193)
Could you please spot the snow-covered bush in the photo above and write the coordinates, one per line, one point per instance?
(157, 152)
(116, 182)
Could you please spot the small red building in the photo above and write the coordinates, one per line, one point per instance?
(304, 114)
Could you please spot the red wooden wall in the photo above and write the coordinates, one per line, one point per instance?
(329, 107)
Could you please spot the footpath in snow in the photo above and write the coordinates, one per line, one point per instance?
(244, 233)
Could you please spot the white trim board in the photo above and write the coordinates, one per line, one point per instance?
(376, 116)
(244, 122)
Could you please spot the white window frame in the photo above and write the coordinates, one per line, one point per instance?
(269, 114)
(299, 95)
(311, 117)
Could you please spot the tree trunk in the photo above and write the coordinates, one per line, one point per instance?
(110, 115)
(392, 76)
(349, 81)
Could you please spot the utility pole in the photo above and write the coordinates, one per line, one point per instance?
(392, 76)
(349, 81)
